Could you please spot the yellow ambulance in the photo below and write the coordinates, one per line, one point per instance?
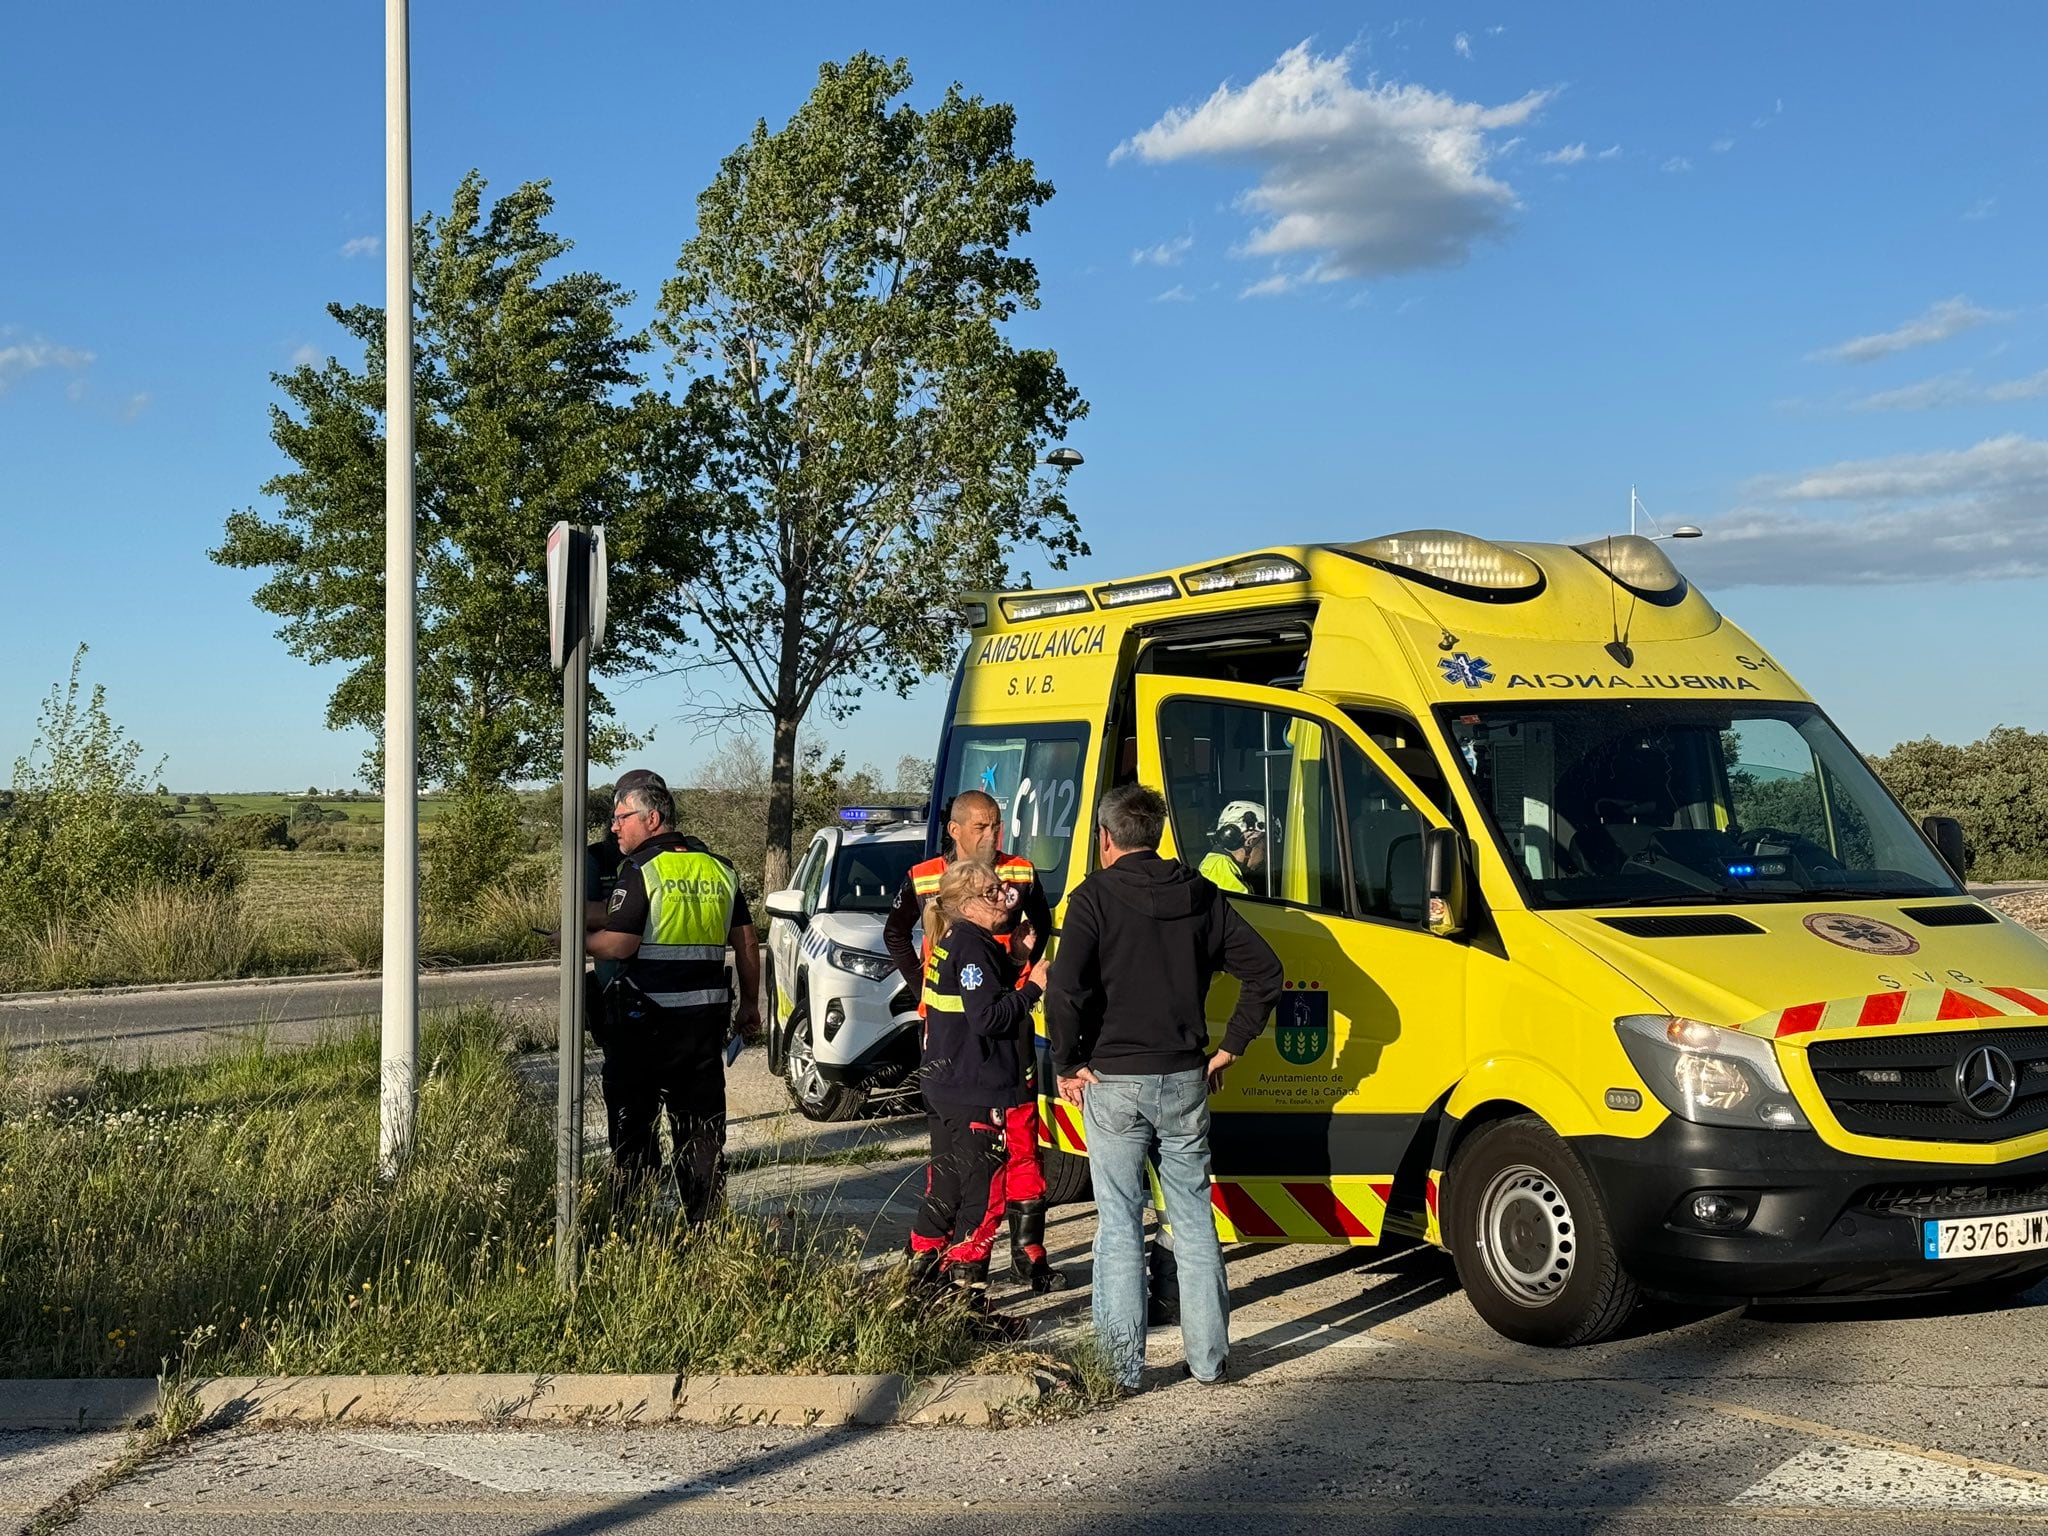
(1611, 967)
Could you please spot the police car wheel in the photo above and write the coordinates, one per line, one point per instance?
(815, 1098)
(1531, 1239)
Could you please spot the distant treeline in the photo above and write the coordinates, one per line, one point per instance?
(1997, 788)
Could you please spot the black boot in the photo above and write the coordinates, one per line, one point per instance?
(970, 1280)
(1162, 1284)
(1028, 1263)
(923, 1271)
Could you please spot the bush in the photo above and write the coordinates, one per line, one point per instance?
(85, 824)
(257, 829)
(471, 846)
(1997, 788)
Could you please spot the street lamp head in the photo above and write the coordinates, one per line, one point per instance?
(1063, 459)
(1686, 531)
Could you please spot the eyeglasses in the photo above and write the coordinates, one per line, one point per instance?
(619, 816)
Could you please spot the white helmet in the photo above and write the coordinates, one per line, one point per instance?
(1242, 816)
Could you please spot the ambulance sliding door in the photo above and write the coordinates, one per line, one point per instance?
(1312, 1125)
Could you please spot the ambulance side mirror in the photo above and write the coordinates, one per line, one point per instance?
(1946, 833)
(1443, 864)
(788, 904)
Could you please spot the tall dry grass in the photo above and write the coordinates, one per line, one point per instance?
(223, 1215)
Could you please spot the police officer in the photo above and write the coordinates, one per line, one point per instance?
(669, 919)
(1236, 848)
(974, 824)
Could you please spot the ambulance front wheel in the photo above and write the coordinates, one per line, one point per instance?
(1531, 1240)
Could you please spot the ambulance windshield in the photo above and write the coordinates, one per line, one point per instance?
(1609, 803)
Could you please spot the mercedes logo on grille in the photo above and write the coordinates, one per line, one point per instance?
(1987, 1082)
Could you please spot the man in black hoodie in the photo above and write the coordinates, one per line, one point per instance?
(1144, 937)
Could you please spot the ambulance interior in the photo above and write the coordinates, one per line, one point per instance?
(1616, 803)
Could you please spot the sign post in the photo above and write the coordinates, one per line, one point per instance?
(576, 610)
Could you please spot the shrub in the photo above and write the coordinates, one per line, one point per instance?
(85, 825)
(1997, 788)
(257, 829)
(471, 845)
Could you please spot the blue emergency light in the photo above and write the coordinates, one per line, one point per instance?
(881, 815)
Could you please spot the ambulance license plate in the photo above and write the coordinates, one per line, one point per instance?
(1984, 1236)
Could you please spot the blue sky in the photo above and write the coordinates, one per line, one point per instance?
(1322, 271)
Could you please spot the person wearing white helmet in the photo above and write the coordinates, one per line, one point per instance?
(1237, 847)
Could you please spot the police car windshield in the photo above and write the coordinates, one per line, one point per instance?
(870, 870)
(1613, 803)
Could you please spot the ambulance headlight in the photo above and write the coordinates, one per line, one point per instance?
(859, 962)
(1710, 1076)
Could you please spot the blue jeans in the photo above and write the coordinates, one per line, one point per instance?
(1125, 1119)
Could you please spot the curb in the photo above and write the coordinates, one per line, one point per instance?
(498, 1400)
(311, 978)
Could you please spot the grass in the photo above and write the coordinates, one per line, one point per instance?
(371, 811)
(220, 1216)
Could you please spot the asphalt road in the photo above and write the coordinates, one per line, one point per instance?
(128, 1022)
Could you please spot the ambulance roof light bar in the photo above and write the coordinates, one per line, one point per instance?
(1043, 605)
(1638, 565)
(1123, 594)
(1251, 571)
(1453, 562)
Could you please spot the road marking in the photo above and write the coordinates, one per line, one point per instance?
(1652, 1392)
(518, 1463)
(1853, 1477)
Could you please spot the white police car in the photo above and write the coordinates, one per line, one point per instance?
(842, 1026)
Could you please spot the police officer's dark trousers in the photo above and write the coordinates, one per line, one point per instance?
(672, 1062)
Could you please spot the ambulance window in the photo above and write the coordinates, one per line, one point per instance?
(1386, 842)
(1253, 800)
(1406, 748)
(1034, 772)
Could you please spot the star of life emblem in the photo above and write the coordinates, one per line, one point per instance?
(970, 977)
(1463, 668)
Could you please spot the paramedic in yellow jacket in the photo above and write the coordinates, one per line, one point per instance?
(669, 919)
(1237, 848)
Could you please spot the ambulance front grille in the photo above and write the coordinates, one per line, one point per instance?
(1976, 1197)
(1904, 1087)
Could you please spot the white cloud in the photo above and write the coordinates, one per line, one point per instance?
(1721, 146)
(1611, 152)
(1167, 253)
(1954, 389)
(1677, 165)
(136, 405)
(1461, 45)
(1268, 287)
(1495, 31)
(1981, 209)
(306, 355)
(363, 245)
(1359, 180)
(19, 359)
(1972, 514)
(1949, 317)
(1571, 154)
(1177, 294)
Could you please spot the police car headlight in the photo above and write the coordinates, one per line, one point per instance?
(859, 962)
(1710, 1076)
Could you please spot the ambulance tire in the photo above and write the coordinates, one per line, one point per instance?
(1066, 1176)
(1531, 1240)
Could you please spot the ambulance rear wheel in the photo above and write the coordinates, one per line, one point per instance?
(1532, 1243)
(1066, 1176)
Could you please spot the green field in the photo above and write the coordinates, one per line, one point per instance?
(371, 811)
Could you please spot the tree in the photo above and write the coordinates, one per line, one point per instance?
(1997, 788)
(872, 438)
(531, 410)
(913, 775)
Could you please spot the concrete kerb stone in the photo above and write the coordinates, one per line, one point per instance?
(260, 983)
(800, 1401)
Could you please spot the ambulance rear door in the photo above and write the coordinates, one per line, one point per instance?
(1312, 1126)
